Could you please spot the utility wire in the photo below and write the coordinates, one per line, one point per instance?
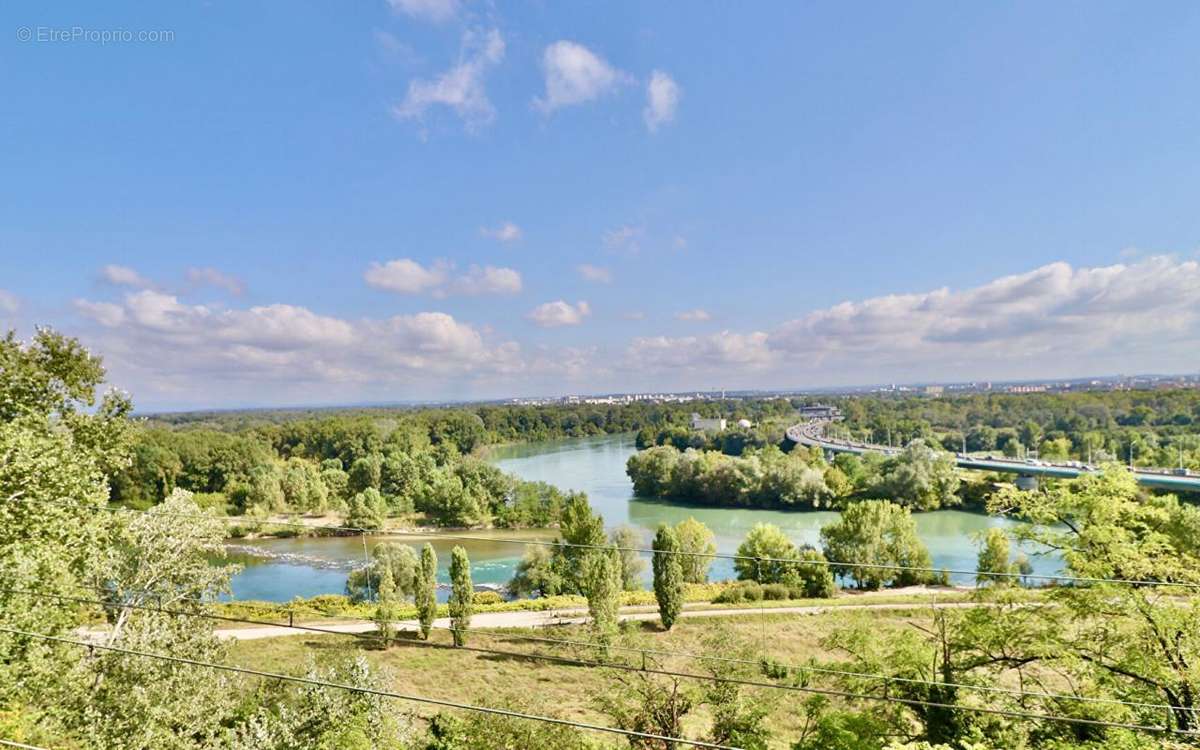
(689, 675)
(14, 743)
(629, 649)
(368, 691)
(713, 555)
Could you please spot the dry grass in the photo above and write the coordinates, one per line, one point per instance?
(438, 670)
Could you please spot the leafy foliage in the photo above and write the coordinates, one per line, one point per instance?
(876, 533)
(668, 576)
(462, 595)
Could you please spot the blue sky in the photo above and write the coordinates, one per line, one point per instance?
(807, 195)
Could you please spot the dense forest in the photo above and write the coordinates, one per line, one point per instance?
(920, 478)
(1151, 428)
(374, 464)
(758, 467)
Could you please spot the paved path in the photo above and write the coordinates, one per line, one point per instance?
(552, 618)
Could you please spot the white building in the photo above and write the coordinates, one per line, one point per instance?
(700, 423)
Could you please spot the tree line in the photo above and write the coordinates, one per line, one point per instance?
(1150, 427)
(370, 465)
(920, 477)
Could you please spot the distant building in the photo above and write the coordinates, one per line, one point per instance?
(1027, 389)
(700, 423)
(818, 411)
(934, 390)
(745, 423)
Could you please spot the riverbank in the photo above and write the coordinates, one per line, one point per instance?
(596, 466)
(290, 526)
(578, 615)
(332, 607)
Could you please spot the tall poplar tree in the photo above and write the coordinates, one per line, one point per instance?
(462, 595)
(668, 576)
(426, 594)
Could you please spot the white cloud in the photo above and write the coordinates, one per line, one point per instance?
(405, 276)
(598, 274)
(156, 340)
(693, 315)
(9, 302)
(626, 238)
(724, 349)
(124, 276)
(487, 280)
(437, 11)
(213, 277)
(559, 313)
(662, 99)
(575, 75)
(504, 232)
(1054, 311)
(105, 313)
(461, 87)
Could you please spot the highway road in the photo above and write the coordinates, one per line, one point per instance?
(812, 433)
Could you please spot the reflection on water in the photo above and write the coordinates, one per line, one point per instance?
(595, 466)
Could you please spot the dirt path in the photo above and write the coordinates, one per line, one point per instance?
(552, 618)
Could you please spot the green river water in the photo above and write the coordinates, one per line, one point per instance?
(280, 569)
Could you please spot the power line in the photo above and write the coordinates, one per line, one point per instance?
(369, 691)
(14, 743)
(712, 678)
(713, 555)
(588, 644)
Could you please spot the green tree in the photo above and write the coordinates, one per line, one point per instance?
(581, 527)
(365, 474)
(604, 594)
(462, 595)
(651, 471)
(668, 576)
(1141, 640)
(876, 533)
(426, 595)
(400, 560)
(303, 488)
(768, 556)
(163, 558)
(921, 477)
(738, 720)
(451, 503)
(628, 539)
(994, 558)
(696, 541)
(317, 716)
(537, 573)
(766, 541)
(385, 608)
(368, 510)
(58, 442)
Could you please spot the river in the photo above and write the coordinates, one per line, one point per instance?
(279, 569)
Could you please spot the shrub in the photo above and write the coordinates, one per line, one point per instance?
(487, 597)
(775, 592)
(753, 592)
(731, 595)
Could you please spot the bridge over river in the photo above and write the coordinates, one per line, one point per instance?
(812, 433)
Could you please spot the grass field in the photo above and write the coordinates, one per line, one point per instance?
(438, 670)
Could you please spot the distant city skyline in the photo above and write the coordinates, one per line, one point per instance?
(447, 201)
